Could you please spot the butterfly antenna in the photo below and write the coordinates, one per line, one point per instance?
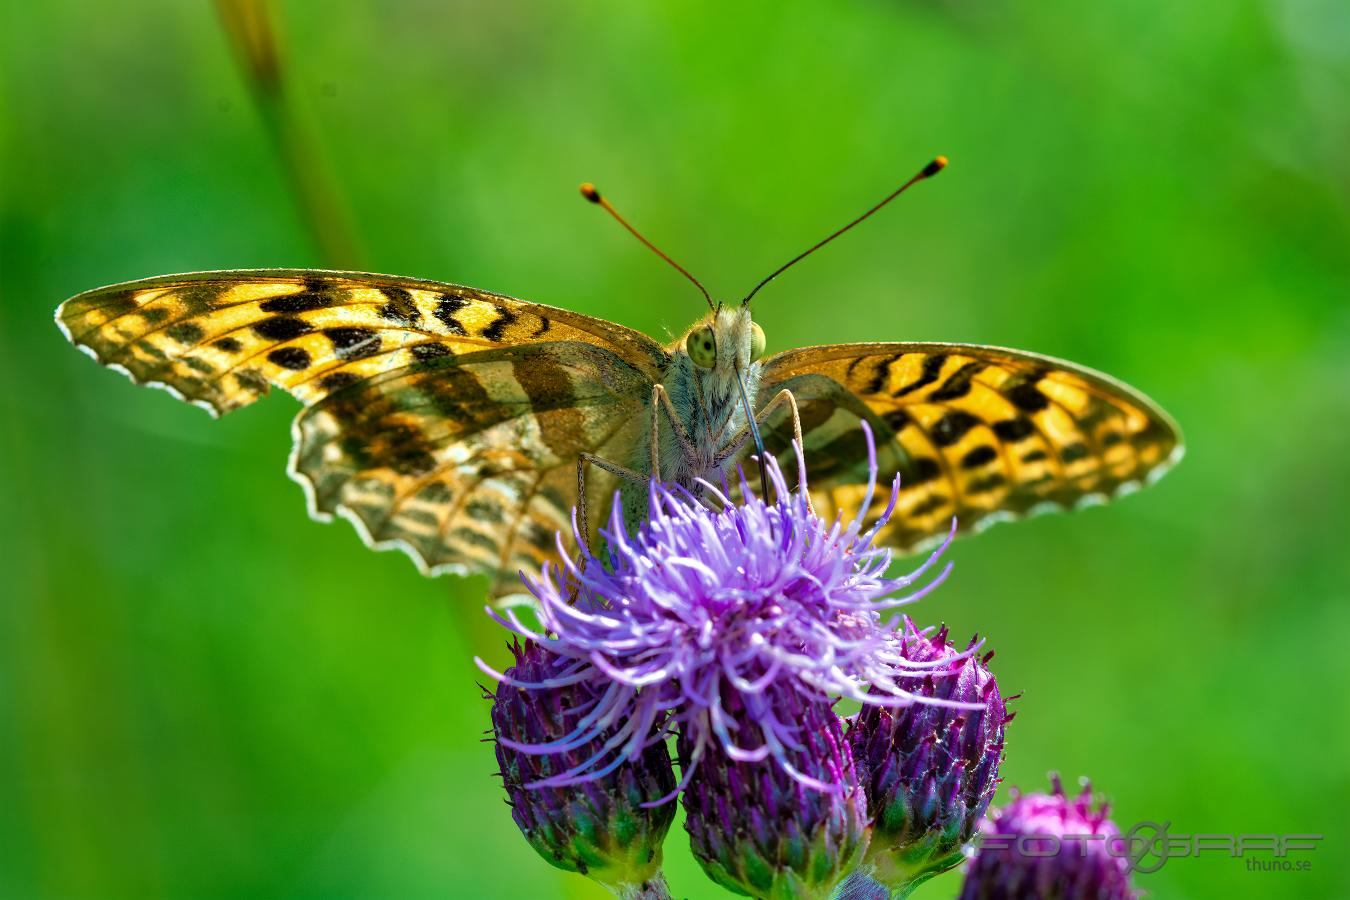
(928, 171)
(590, 193)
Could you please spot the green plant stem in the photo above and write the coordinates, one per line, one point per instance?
(251, 30)
(653, 888)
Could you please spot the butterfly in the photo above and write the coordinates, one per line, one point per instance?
(463, 427)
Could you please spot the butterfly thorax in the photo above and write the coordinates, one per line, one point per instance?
(706, 399)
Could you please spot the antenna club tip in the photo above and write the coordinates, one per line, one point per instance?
(937, 165)
(590, 193)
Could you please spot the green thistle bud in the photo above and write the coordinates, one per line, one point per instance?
(930, 769)
(578, 820)
(788, 826)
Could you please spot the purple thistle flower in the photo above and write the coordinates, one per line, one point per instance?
(759, 831)
(756, 601)
(1051, 861)
(930, 770)
(608, 827)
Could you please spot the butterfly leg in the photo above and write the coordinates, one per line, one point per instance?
(590, 459)
(660, 401)
(762, 417)
(737, 442)
(583, 525)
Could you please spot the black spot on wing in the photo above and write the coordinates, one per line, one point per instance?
(410, 452)
(430, 350)
(316, 297)
(187, 333)
(377, 442)
(150, 349)
(1015, 429)
(294, 358)
(978, 457)
(1073, 452)
(958, 384)
(436, 492)
(986, 484)
(1097, 412)
(476, 539)
(458, 395)
(922, 469)
(896, 420)
(229, 345)
(419, 516)
(353, 343)
(401, 307)
(1152, 433)
(932, 368)
(445, 312)
(251, 380)
(931, 505)
(282, 328)
(496, 329)
(483, 510)
(197, 299)
(337, 381)
(1027, 397)
(952, 427)
(537, 536)
(853, 364)
(882, 373)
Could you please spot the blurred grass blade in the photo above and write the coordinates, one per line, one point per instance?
(250, 26)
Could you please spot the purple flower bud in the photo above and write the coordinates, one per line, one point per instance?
(1036, 849)
(599, 827)
(930, 769)
(757, 824)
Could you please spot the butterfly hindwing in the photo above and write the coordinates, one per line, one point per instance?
(979, 433)
(440, 419)
(470, 465)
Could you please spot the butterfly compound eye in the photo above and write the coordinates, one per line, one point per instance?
(701, 346)
(756, 341)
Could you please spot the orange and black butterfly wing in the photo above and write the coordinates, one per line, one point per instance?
(983, 434)
(441, 420)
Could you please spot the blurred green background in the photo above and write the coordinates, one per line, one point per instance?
(203, 694)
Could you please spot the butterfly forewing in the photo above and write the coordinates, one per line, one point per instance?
(220, 338)
(440, 419)
(979, 433)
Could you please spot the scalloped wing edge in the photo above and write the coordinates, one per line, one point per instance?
(341, 510)
(1097, 498)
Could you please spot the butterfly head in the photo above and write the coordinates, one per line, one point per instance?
(719, 370)
(725, 341)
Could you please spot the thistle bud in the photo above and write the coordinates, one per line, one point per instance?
(930, 769)
(1043, 852)
(578, 820)
(787, 820)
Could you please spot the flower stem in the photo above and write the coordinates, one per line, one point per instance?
(251, 30)
(653, 888)
(860, 886)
